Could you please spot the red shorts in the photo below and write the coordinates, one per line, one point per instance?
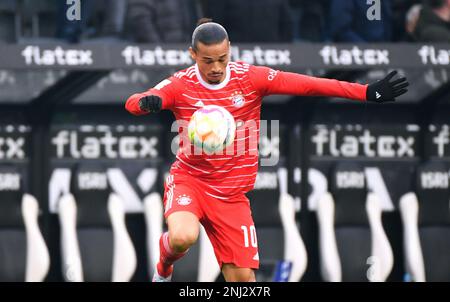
(228, 223)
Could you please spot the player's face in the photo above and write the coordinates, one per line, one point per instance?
(212, 60)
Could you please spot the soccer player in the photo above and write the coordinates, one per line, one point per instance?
(210, 189)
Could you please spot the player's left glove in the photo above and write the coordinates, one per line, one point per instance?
(150, 103)
(386, 91)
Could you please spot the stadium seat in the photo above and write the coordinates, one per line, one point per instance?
(353, 245)
(95, 243)
(279, 239)
(10, 21)
(23, 252)
(153, 210)
(426, 224)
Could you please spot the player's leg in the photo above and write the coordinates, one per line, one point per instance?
(230, 228)
(182, 216)
(184, 229)
(232, 273)
(182, 234)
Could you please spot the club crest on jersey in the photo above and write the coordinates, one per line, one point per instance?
(237, 99)
(184, 200)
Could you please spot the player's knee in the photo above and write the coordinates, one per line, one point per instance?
(181, 240)
(246, 276)
(242, 275)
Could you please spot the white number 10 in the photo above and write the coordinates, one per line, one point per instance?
(253, 239)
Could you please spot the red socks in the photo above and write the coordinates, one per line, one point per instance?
(167, 256)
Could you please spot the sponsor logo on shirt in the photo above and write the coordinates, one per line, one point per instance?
(272, 75)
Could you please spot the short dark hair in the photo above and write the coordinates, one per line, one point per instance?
(208, 33)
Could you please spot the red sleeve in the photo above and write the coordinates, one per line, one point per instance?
(166, 90)
(268, 81)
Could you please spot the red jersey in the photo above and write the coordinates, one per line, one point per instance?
(241, 94)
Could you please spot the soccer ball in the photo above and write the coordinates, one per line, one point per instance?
(211, 128)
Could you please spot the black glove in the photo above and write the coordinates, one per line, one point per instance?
(150, 103)
(385, 91)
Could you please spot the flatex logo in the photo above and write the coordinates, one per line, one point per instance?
(104, 141)
(135, 55)
(354, 141)
(257, 55)
(35, 55)
(433, 56)
(14, 142)
(12, 147)
(440, 139)
(331, 55)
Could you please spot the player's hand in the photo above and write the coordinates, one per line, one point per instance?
(150, 103)
(385, 90)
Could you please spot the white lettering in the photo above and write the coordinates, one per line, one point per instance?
(337, 143)
(345, 180)
(434, 180)
(34, 55)
(331, 55)
(9, 182)
(76, 144)
(92, 180)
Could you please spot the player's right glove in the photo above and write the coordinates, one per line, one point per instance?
(386, 91)
(150, 103)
